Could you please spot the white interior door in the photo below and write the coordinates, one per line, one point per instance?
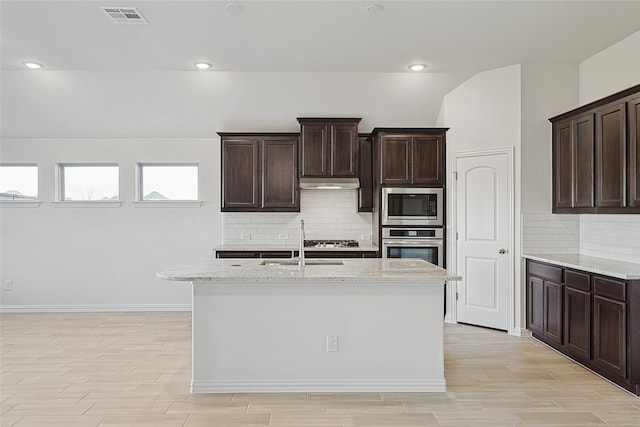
(484, 235)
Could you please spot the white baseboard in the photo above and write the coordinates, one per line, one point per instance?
(520, 332)
(302, 386)
(93, 308)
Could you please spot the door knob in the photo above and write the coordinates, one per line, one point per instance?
(502, 251)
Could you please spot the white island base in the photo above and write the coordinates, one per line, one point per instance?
(273, 337)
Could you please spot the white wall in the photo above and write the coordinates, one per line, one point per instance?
(547, 90)
(485, 112)
(95, 258)
(192, 104)
(610, 71)
(106, 258)
(510, 107)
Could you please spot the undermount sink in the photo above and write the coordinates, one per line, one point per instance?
(307, 262)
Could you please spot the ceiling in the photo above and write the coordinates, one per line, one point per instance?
(312, 36)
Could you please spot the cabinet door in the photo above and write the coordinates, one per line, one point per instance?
(611, 156)
(344, 150)
(609, 335)
(240, 174)
(633, 173)
(395, 154)
(563, 165)
(314, 150)
(365, 172)
(553, 311)
(280, 174)
(535, 304)
(427, 160)
(577, 322)
(583, 171)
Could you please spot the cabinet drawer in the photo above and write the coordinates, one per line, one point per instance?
(237, 254)
(577, 280)
(606, 287)
(546, 271)
(332, 254)
(276, 254)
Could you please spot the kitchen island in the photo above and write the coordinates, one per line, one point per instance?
(332, 325)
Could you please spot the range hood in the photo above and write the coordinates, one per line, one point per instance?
(329, 183)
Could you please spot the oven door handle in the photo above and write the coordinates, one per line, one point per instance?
(415, 242)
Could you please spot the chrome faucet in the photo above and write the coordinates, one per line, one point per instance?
(301, 251)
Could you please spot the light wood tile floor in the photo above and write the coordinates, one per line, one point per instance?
(134, 369)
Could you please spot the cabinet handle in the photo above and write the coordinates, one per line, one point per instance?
(502, 251)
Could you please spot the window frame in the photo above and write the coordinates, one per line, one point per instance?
(30, 203)
(60, 183)
(139, 182)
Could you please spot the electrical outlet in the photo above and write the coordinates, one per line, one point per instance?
(8, 285)
(283, 236)
(365, 237)
(332, 343)
(245, 236)
(591, 246)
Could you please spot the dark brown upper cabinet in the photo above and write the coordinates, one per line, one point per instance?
(411, 156)
(573, 169)
(259, 172)
(365, 173)
(595, 156)
(633, 180)
(611, 156)
(328, 147)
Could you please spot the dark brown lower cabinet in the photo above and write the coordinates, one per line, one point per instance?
(535, 306)
(545, 301)
(610, 335)
(553, 311)
(577, 323)
(599, 316)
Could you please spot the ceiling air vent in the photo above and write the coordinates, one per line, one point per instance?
(124, 15)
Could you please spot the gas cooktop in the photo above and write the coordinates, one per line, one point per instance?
(330, 244)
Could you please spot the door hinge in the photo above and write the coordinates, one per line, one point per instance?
(456, 235)
(456, 296)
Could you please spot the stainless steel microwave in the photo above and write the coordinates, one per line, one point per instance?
(412, 206)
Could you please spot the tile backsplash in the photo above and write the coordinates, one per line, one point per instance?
(607, 236)
(611, 236)
(547, 233)
(327, 214)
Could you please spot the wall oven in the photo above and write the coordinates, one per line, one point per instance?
(418, 242)
(412, 206)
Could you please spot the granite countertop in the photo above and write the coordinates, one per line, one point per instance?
(365, 246)
(363, 270)
(605, 266)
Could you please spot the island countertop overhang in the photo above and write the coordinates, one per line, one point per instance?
(367, 270)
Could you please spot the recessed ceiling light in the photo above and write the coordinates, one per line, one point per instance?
(374, 8)
(33, 65)
(417, 67)
(202, 65)
(234, 7)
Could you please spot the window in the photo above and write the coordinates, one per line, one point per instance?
(158, 182)
(89, 182)
(19, 182)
